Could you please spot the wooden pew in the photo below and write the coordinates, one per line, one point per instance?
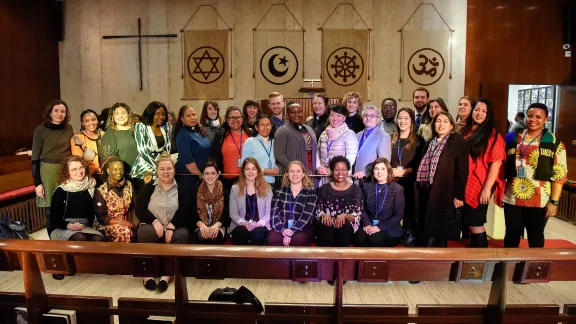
(498, 266)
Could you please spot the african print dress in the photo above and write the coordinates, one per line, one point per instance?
(114, 201)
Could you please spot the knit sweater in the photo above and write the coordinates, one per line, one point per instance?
(51, 144)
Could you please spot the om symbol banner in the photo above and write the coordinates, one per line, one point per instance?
(345, 61)
(206, 64)
(279, 63)
(425, 62)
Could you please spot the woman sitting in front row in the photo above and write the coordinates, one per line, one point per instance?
(162, 209)
(339, 206)
(212, 210)
(293, 208)
(250, 200)
(383, 209)
(71, 212)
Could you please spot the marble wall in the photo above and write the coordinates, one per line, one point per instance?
(95, 73)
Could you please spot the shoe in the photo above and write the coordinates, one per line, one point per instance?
(162, 286)
(150, 284)
(331, 282)
(413, 282)
(58, 276)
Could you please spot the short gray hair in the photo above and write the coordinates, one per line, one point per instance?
(370, 107)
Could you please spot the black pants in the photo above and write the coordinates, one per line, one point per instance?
(380, 239)
(241, 236)
(332, 236)
(518, 218)
(147, 234)
(199, 239)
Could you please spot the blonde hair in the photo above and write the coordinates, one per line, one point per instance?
(274, 95)
(353, 94)
(306, 181)
(165, 156)
(260, 183)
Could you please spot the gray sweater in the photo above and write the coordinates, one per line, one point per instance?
(238, 208)
(289, 146)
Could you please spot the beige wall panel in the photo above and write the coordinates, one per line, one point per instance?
(96, 73)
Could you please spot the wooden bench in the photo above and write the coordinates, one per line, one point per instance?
(498, 266)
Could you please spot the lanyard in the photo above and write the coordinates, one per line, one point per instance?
(268, 151)
(383, 200)
(365, 136)
(522, 152)
(252, 210)
(293, 204)
(400, 151)
(328, 146)
(238, 147)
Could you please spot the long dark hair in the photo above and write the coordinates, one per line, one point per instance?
(179, 124)
(225, 125)
(412, 143)
(248, 103)
(204, 114)
(440, 102)
(89, 111)
(148, 114)
(478, 140)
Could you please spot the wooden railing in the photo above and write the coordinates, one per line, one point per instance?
(498, 266)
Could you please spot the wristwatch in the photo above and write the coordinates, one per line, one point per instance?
(553, 202)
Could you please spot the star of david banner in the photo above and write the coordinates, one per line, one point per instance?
(345, 61)
(279, 63)
(206, 64)
(425, 62)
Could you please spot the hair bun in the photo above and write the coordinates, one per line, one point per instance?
(165, 155)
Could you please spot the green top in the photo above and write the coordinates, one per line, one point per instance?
(51, 143)
(121, 143)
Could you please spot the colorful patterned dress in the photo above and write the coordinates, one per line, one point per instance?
(114, 201)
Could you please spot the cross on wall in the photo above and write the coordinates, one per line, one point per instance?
(140, 36)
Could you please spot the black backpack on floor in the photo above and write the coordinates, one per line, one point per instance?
(10, 229)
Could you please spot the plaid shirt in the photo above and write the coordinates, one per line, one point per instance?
(429, 163)
(303, 212)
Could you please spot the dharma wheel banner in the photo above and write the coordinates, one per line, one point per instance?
(425, 62)
(206, 63)
(345, 58)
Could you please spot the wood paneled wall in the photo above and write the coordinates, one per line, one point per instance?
(513, 42)
(28, 68)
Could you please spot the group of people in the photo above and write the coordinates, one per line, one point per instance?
(348, 174)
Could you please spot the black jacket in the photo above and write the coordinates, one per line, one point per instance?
(183, 216)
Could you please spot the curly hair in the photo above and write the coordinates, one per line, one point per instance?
(48, 111)
(306, 181)
(64, 172)
(353, 94)
(111, 124)
(339, 159)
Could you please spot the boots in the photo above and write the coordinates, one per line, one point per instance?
(479, 240)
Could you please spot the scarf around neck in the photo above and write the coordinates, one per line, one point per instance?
(87, 183)
(215, 199)
(332, 133)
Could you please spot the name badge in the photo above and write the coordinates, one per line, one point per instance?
(375, 222)
(400, 168)
(270, 165)
(239, 163)
(290, 223)
(518, 163)
(521, 173)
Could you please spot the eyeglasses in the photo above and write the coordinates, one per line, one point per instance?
(76, 170)
(371, 116)
(388, 107)
(234, 117)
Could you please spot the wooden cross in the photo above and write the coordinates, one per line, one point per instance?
(140, 36)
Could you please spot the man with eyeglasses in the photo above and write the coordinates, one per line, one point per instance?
(388, 124)
(373, 143)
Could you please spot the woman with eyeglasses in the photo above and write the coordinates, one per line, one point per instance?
(261, 147)
(228, 144)
(373, 143)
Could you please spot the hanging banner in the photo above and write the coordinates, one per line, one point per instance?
(345, 61)
(279, 62)
(425, 62)
(206, 64)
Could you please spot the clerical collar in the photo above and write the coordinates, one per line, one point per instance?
(51, 126)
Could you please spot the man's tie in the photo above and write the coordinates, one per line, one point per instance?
(418, 120)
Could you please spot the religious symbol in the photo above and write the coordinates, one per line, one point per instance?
(345, 66)
(140, 36)
(270, 61)
(206, 64)
(424, 66)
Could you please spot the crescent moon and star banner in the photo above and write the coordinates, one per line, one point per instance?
(345, 61)
(425, 62)
(279, 63)
(206, 64)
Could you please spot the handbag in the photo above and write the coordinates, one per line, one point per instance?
(454, 225)
(239, 296)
